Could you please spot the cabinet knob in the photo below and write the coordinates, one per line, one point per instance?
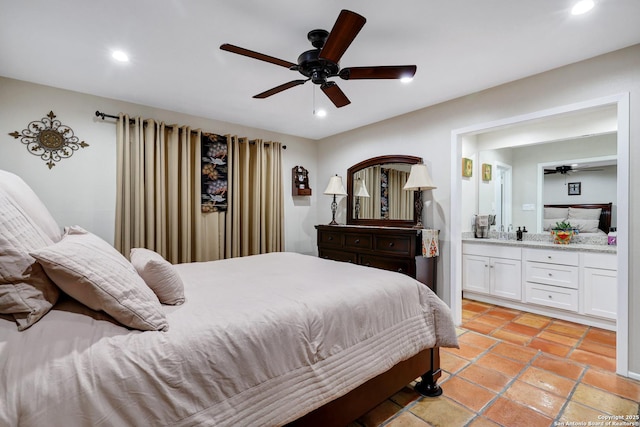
(549, 256)
(550, 296)
(400, 270)
(367, 264)
(486, 265)
(550, 275)
(330, 238)
(391, 244)
(357, 241)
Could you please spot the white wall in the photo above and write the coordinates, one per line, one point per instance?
(81, 189)
(427, 133)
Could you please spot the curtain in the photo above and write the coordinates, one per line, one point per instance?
(370, 207)
(158, 192)
(159, 195)
(401, 204)
(255, 223)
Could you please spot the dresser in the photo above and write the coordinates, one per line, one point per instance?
(389, 248)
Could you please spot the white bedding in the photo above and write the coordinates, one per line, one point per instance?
(259, 341)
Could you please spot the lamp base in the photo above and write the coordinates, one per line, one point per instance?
(419, 225)
(333, 222)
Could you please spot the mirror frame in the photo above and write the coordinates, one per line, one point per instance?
(412, 160)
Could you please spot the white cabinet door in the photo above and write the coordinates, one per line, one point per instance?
(600, 292)
(506, 278)
(475, 273)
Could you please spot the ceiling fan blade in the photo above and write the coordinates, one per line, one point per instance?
(344, 31)
(382, 72)
(256, 55)
(335, 94)
(280, 88)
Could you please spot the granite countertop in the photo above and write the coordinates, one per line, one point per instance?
(543, 241)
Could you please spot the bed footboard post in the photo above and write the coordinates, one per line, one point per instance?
(428, 386)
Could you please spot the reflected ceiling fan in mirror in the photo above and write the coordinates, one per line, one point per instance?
(323, 62)
(565, 169)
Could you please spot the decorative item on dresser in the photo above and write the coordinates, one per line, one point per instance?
(389, 248)
(419, 180)
(335, 188)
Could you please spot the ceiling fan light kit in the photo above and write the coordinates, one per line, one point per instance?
(323, 61)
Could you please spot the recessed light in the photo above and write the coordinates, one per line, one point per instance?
(120, 56)
(320, 113)
(583, 6)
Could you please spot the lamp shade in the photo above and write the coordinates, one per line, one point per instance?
(335, 186)
(419, 178)
(361, 188)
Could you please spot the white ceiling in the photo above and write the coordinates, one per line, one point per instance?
(459, 46)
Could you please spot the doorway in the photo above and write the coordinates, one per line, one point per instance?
(621, 103)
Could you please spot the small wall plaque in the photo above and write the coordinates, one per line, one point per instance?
(49, 139)
(300, 181)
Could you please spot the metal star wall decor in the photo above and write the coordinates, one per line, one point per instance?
(49, 139)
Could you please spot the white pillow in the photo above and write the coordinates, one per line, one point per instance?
(586, 225)
(26, 293)
(556, 212)
(159, 275)
(30, 203)
(94, 273)
(580, 213)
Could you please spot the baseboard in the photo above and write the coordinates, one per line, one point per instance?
(634, 376)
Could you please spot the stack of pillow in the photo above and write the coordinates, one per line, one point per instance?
(583, 220)
(37, 261)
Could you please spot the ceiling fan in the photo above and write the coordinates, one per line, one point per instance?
(322, 62)
(564, 169)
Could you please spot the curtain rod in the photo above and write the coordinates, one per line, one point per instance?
(131, 121)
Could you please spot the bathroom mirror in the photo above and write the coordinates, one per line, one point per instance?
(376, 195)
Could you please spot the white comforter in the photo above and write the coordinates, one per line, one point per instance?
(260, 341)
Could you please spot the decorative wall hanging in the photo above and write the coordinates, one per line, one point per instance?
(215, 170)
(486, 172)
(49, 139)
(574, 188)
(467, 167)
(300, 181)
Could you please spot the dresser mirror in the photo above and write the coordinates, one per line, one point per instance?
(376, 195)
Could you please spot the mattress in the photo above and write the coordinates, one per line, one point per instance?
(259, 341)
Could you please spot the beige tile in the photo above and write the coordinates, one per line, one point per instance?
(533, 320)
(451, 363)
(478, 340)
(407, 419)
(508, 413)
(534, 398)
(487, 378)
(548, 381)
(613, 383)
(482, 422)
(603, 401)
(577, 413)
(442, 412)
(405, 396)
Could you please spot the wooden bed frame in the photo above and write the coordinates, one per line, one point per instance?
(605, 214)
(348, 408)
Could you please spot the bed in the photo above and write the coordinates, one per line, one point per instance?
(592, 218)
(266, 340)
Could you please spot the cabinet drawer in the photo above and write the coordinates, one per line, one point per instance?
(596, 260)
(551, 296)
(330, 238)
(552, 274)
(386, 263)
(551, 256)
(338, 255)
(393, 244)
(357, 241)
(495, 251)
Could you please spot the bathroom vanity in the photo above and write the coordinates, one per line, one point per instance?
(574, 282)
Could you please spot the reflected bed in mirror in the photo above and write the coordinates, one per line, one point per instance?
(376, 194)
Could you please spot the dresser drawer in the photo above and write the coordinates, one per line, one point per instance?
(338, 255)
(552, 256)
(386, 263)
(552, 296)
(394, 244)
(552, 274)
(330, 238)
(357, 241)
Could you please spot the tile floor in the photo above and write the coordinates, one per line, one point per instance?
(518, 369)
